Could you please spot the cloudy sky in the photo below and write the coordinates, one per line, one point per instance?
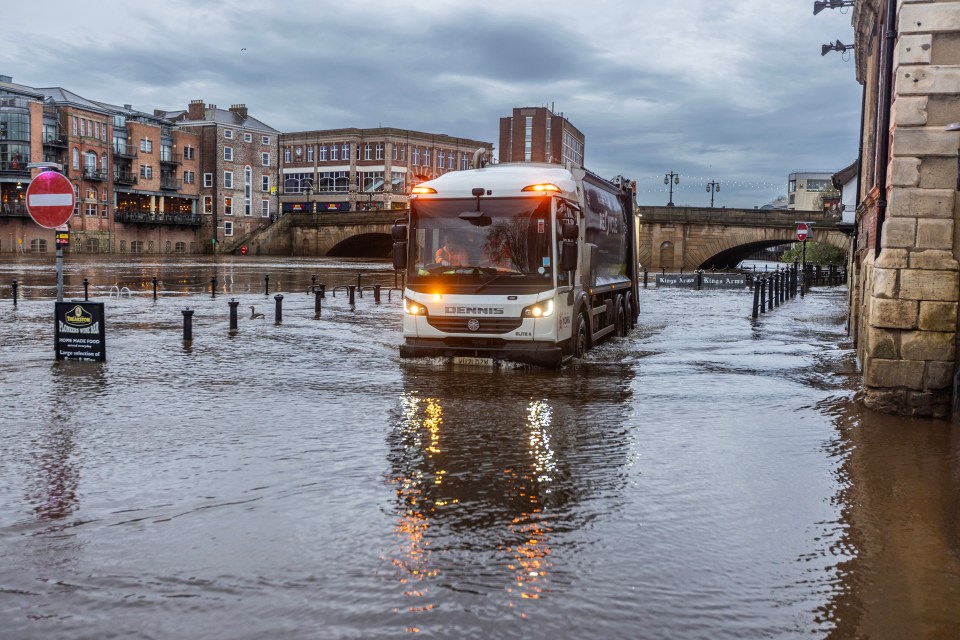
(729, 90)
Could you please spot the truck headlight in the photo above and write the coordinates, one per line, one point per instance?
(539, 310)
(413, 308)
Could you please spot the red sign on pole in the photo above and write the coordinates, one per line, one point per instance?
(50, 199)
(802, 231)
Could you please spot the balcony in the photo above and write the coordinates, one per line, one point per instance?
(55, 141)
(123, 151)
(170, 158)
(93, 174)
(124, 178)
(14, 169)
(138, 216)
(14, 209)
(171, 184)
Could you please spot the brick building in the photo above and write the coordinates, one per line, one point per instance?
(360, 169)
(536, 134)
(906, 277)
(238, 171)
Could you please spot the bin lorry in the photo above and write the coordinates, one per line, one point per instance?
(520, 262)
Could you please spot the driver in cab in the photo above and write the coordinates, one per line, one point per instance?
(452, 254)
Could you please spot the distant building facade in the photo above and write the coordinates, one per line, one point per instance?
(364, 169)
(238, 171)
(811, 191)
(536, 134)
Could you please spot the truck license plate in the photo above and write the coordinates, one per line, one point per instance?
(473, 362)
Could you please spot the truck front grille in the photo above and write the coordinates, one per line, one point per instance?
(458, 324)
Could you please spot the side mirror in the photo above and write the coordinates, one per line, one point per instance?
(569, 230)
(399, 232)
(568, 256)
(400, 255)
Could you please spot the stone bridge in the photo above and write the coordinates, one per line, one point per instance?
(692, 238)
(355, 234)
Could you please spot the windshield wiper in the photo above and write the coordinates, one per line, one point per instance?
(502, 274)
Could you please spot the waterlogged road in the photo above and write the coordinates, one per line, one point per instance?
(705, 477)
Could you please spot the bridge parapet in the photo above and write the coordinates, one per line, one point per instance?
(350, 219)
(742, 217)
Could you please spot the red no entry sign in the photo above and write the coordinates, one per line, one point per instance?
(802, 232)
(50, 199)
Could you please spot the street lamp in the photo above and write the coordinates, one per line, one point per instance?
(671, 179)
(712, 187)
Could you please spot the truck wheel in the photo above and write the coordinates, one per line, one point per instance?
(620, 319)
(581, 341)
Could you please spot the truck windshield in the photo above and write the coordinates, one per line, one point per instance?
(506, 238)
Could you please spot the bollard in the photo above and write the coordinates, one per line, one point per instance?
(756, 302)
(154, 288)
(313, 282)
(762, 284)
(187, 324)
(352, 289)
(86, 289)
(376, 293)
(278, 319)
(663, 270)
(233, 315)
(359, 275)
(213, 287)
(266, 284)
(15, 285)
(699, 278)
(644, 278)
(317, 296)
(323, 290)
(770, 294)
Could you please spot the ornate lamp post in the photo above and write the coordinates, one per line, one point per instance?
(671, 179)
(712, 187)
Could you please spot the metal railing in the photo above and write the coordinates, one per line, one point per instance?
(139, 216)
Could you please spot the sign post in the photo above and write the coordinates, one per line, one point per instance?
(803, 231)
(50, 202)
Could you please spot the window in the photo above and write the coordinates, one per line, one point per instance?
(146, 171)
(180, 247)
(96, 129)
(76, 158)
(247, 190)
(452, 161)
(188, 152)
(297, 182)
(345, 150)
(136, 246)
(265, 184)
(334, 151)
(227, 228)
(265, 158)
(396, 152)
(415, 156)
(367, 151)
(464, 162)
(379, 151)
(264, 208)
(38, 245)
(323, 153)
(208, 204)
(76, 125)
(265, 140)
(286, 154)
(208, 179)
(227, 206)
(90, 163)
(426, 157)
(228, 154)
(441, 158)
(91, 209)
(146, 145)
(334, 182)
(83, 127)
(247, 137)
(528, 139)
(189, 177)
(228, 134)
(93, 245)
(370, 181)
(228, 179)
(103, 163)
(310, 153)
(103, 211)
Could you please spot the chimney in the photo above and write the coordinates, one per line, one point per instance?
(240, 110)
(128, 107)
(195, 110)
(6, 79)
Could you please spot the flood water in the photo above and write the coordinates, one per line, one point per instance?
(704, 477)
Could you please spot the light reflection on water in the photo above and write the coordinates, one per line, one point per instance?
(705, 477)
